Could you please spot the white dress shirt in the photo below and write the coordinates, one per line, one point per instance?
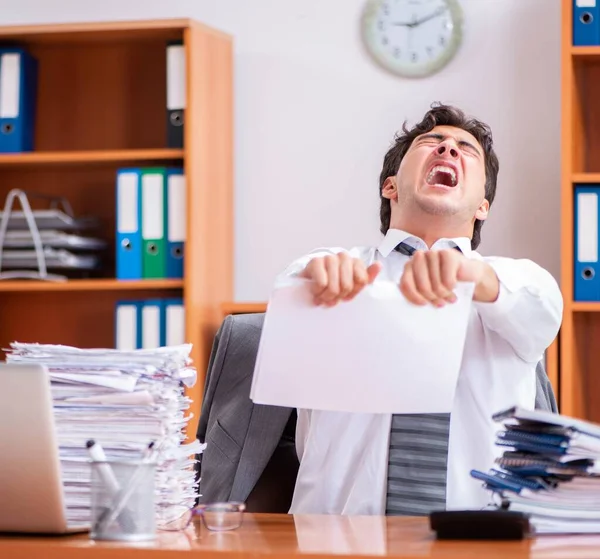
(343, 456)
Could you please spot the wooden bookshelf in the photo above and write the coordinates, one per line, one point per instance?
(579, 370)
(101, 105)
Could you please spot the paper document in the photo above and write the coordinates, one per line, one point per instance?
(376, 354)
(123, 400)
(54, 258)
(548, 469)
(52, 238)
(50, 219)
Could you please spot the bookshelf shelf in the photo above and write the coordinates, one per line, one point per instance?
(84, 157)
(585, 52)
(586, 178)
(90, 285)
(584, 306)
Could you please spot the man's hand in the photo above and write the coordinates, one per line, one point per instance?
(338, 277)
(431, 276)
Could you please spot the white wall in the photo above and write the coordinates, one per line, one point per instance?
(314, 117)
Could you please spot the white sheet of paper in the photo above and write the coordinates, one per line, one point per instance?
(378, 353)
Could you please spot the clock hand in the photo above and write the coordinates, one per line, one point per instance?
(435, 14)
(418, 22)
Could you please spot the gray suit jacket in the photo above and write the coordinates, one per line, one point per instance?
(250, 454)
(245, 440)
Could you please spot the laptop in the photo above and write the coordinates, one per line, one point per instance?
(31, 491)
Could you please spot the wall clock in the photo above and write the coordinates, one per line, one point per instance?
(412, 38)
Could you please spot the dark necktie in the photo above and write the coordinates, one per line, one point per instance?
(418, 457)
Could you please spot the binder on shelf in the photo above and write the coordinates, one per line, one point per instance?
(174, 322)
(149, 323)
(152, 324)
(18, 96)
(176, 222)
(587, 271)
(153, 223)
(176, 94)
(586, 22)
(128, 321)
(128, 234)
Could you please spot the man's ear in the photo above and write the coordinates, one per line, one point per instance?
(389, 189)
(483, 210)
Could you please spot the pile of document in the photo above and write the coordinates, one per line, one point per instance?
(123, 400)
(62, 240)
(549, 470)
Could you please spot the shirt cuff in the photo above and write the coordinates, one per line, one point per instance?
(508, 294)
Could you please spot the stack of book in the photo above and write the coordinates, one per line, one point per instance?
(123, 400)
(550, 470)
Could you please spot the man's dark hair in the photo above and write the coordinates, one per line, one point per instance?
(440, 115)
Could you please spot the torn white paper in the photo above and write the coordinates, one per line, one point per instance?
(376, 354)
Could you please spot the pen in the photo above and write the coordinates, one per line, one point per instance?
(148, 453)
(96, 453)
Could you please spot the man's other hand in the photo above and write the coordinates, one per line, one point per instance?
(431, 276)
(338, 277)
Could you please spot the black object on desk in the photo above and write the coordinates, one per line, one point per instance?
(480, 525)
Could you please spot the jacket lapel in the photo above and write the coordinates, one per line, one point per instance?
(264, 433)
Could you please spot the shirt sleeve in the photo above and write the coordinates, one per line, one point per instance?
(529, 307)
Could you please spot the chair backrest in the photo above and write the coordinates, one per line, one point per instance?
(274, 489)
(544, 393)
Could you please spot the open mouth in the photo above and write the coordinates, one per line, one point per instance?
(442, 175)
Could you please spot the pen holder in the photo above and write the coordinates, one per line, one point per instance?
(122, 501)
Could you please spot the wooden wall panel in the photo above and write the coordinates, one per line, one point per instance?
(101, 96)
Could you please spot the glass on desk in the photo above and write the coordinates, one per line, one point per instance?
(217, 517)
(122, 501)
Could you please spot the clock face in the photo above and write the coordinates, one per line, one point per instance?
(412, 38)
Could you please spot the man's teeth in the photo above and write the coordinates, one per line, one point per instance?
(442, 169)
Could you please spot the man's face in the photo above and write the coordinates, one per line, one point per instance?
(443, 173)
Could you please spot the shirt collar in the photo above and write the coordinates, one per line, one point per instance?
(395, 236)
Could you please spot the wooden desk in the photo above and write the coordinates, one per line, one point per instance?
(283, 536)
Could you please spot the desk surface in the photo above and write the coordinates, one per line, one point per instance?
(283, 536)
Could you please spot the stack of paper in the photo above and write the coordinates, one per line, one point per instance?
(123, 400)
(549, 470)
(63, 247)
